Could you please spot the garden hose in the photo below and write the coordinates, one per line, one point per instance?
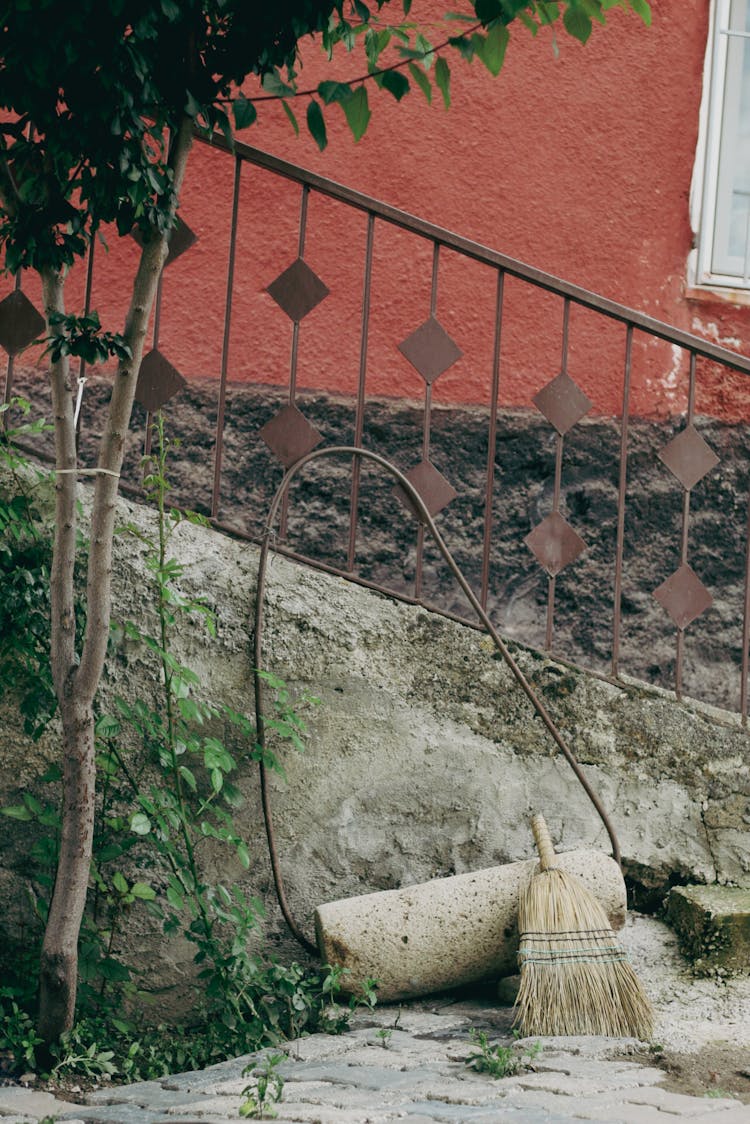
(425, 517)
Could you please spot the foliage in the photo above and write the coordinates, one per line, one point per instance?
(498, 1060)
(109, 1044)
(18, 1037)
(266, 1089)
(25, 555)
(78, 1057)
(400, 54)
(101, 108)
(82, 337)
(189, 804)
(160, 804)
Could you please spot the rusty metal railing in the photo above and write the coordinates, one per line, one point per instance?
(557, 541)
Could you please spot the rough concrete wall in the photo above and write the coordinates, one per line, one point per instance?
(424, 759)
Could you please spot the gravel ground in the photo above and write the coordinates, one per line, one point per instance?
(702, 1035)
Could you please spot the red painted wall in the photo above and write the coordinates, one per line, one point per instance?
(579, 165)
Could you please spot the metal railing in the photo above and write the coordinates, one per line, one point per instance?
(582, 541)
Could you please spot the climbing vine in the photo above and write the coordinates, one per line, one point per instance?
(168, 797)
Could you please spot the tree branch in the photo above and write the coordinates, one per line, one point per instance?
(62, 654)
(99, 579)
(370, 74)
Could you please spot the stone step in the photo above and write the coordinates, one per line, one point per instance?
(713, 927)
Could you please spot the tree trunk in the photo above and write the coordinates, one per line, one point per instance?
(58, 974)
(58, 971)
(76, 685)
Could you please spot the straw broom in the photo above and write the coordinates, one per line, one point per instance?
(575, 978)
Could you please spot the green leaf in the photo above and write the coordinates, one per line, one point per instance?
(143, 892)
(107, 726)
(577, 23)
(110, 969)
(188, 778)
(140, 823)
(375, 44)
(224, 894)
(316, 124)
(18, 812)
(120, 883)
(190, 710)
(174, 898)
(179, 688)
(493, 46)
(233, 795)
(273, 84)
(288, 110)
(395, 83)
(411, 53)
(488, 10)
(244, 112)
(51, 775)
(357, 112)
(406, 7)
(443, 80)
(32, 804)
(334, 92)
(243, 855)
(642, 9)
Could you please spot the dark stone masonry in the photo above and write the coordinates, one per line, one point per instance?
(386, 542)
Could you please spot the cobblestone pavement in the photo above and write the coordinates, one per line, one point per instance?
(406, 1064)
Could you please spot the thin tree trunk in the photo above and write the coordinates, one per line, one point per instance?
(59, 966)
(76, 684)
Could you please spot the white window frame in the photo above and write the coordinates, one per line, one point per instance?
(707, 219)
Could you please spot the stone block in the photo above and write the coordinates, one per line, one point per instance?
(31, 1103)
(450, 931)
(713, 927)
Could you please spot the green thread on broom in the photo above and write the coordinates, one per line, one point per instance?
(573, 934)
(571, 958)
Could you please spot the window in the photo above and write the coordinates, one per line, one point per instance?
(724, 244)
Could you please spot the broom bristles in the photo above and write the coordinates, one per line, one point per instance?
(575, 977)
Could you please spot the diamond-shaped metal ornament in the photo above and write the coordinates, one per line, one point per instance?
(289, 435)
(431, 350)
(562, 403)
(435, 491)
(684, 596)
(20, 323)
(688, 457)
(180, 240)
(554, 543)
(298, 290)
(158, 381)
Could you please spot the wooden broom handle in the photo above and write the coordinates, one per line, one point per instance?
(543, 842)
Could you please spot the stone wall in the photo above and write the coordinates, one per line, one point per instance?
(423, 758)
(522, 496)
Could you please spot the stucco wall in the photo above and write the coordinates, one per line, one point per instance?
(579, 164)
(423, 757)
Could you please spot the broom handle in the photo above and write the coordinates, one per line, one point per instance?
(543, 842)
